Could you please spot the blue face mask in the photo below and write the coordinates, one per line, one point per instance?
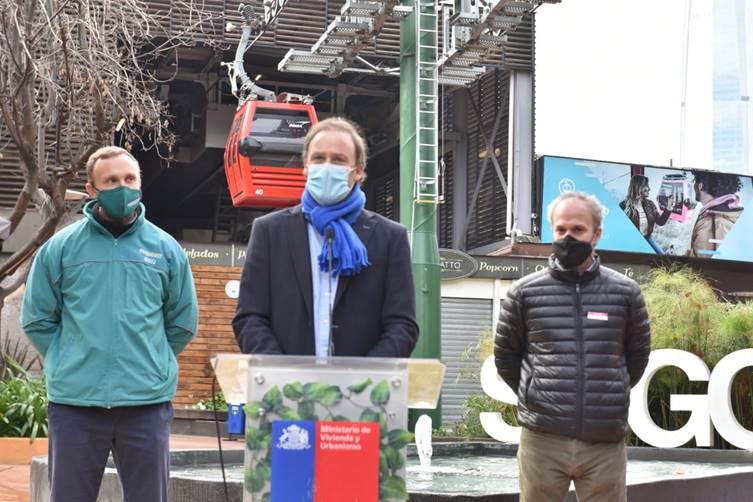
(328, 183)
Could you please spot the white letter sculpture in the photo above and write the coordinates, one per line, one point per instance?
(699, 423)
(496, 388)
(720, 400)
(706, 411)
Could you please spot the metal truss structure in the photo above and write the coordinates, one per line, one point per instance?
(471, 32)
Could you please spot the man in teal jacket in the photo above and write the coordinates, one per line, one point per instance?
(109, 303)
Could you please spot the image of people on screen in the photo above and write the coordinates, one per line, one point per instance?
(720, 209)
(642, 211)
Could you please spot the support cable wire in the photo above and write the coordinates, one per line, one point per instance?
(684, 91)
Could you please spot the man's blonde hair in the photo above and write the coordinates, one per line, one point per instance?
(106, 152)
(340, 124)
(593, 204)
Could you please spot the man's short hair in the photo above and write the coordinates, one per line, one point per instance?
(717, 184)
(106, 152)
(343, 125)
(593, 204)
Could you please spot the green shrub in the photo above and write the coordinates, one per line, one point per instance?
(19, 353)
(474, 404)
(683, 309)
(470, 424)
(208, 404)
(23, 403)
(474, 356)
(441, 432)
(688, 314)
(732, 331)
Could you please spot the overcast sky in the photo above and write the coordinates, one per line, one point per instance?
(609, 81)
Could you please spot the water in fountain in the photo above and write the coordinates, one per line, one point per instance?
(423, 440)
(487, 474)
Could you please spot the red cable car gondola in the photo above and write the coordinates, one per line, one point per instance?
(263, 162)
(674, 196)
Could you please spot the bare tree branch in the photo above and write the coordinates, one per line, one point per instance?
(27, 251)
(18, 281)
(22, 204)
(71, 71)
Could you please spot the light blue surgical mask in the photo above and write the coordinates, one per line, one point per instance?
(328, 183)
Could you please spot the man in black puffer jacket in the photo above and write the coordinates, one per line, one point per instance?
(571, 341)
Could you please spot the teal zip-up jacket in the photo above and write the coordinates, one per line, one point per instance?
(110, 315)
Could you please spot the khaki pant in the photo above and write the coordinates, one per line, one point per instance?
(548, 463)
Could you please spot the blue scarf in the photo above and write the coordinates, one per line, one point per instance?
(349, 255)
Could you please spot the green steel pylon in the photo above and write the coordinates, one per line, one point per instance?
(419, 183)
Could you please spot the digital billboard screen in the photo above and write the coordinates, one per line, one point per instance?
(658, 210)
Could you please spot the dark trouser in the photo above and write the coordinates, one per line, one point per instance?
(81, 439)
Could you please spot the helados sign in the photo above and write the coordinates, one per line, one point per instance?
(713, 409)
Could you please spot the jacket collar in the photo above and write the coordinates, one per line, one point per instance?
(573, 276)
(299, 250)
(91, 206)
(298, 245)
(364, 228)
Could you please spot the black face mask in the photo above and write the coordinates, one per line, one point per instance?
(571, 252)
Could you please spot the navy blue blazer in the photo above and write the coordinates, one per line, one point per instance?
(374, 312)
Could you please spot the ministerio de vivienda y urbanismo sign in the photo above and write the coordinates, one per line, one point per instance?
(707, 411)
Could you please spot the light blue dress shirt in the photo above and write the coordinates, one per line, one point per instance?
(323, 294)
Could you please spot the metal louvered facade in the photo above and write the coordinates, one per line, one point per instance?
(445, 227)
(11, 176)
(487, 223)
(302, 22)
(447, 159)
(383, 195)
(464, 320)
(299, 25)
(518, 51)
(180, 18)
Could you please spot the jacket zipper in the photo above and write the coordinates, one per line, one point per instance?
(579, 396)
(108, 403)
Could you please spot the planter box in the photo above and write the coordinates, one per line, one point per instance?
(16, 451)
(198, 422)
(191, 414)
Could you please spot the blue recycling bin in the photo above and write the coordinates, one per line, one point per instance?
(236, 419)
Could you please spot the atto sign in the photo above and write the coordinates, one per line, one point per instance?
(456, 264)
(713, 409)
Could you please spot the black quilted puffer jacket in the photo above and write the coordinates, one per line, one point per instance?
(572, 346)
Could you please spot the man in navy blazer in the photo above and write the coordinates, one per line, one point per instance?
(328, 277)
